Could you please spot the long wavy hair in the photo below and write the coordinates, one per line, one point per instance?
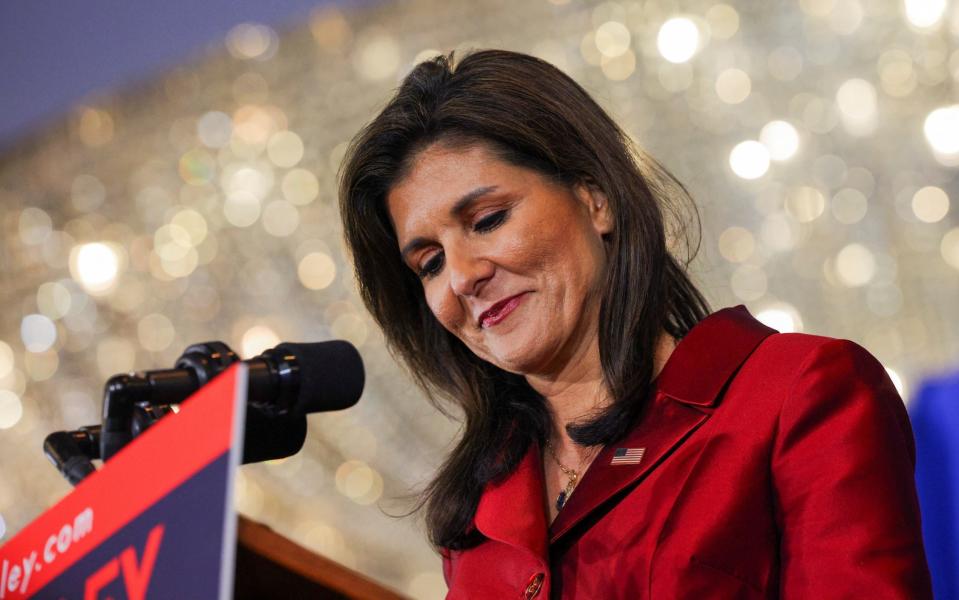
(532, 115)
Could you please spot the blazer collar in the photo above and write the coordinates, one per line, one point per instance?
(683, 397)
(512, 510)
(709, 355)
(684, 393)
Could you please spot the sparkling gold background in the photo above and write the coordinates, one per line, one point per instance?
(202, 206)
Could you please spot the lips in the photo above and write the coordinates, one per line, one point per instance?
(500, 310)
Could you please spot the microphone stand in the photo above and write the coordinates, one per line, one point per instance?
(197, 365)
(73, 452)
(275, 410)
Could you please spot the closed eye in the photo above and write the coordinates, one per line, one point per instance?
(432, 267)
(491, 222)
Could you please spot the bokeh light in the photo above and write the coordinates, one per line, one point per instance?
(241, 209)
(38, 333)
(924, 14)
(316, 270)
(6, 359)
(214, 129)
(35, 225)
(949, 247)
(95, 266)
(257, 339)
(285, 149)
(733, 86)
(723, 21)
(11, 409)
(805, 204)
(678, 39)
(736, 244)
(612, 39)
(300, 186)
(942, 130)
(377, 54)
(781, 140)
(359, 482)
(855, 265)
(252, 41)
(620, 67)
(930, 204)
(54, 299)
(849, 206)
(749, 159)
(280, 218)
(781, 316)
(858, 106)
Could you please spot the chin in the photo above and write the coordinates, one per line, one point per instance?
(520, 363)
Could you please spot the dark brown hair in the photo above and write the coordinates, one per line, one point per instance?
(531, 115)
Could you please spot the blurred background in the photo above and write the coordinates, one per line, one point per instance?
(167, 176)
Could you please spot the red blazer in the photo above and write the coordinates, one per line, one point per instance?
(775, 466)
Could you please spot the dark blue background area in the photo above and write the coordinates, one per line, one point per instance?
(52, 54)
(188, 561)
(935, 421)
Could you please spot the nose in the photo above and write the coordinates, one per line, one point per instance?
(467, 273)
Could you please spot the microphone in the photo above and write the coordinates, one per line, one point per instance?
(71, 452)
(264, 438)
(290, 380)
(316, 377)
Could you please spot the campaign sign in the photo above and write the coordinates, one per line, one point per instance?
(157, 521)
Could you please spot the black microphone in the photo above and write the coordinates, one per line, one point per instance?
(264, 438)
(287, 381)
(301, 379)
(71, 452)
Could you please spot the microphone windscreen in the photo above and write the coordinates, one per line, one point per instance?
(331, 375)
(270, 437)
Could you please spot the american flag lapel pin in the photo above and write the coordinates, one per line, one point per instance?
(628, 456)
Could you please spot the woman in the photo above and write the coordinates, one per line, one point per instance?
(617, 441)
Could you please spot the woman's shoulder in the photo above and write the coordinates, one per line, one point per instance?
(731, 353)
(785, 373)
(795, 357)
(782, 355)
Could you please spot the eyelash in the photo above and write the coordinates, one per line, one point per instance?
(484, 225)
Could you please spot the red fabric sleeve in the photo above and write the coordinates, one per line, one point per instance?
(447, 565)
(842, 468)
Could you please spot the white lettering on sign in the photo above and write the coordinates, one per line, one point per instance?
(18, 574)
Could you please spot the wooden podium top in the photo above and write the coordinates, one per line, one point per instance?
(269, 565)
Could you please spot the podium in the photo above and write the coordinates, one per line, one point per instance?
(158, 522)
(267, 561)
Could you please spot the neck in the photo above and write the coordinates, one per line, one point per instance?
(579, 390)
(574, 391)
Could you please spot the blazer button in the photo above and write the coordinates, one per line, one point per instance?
(535, 583)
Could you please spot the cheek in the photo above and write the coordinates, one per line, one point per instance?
(444, 306)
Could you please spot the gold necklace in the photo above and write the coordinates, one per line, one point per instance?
(572, 474)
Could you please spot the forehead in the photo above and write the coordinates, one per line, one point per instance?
(438, 176)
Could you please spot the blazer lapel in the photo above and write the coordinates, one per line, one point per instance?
(512, 510)
(663, 429)
(684, 395)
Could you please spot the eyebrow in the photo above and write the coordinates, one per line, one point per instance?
(456, 211)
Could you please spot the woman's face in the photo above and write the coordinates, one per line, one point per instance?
(511, 262)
